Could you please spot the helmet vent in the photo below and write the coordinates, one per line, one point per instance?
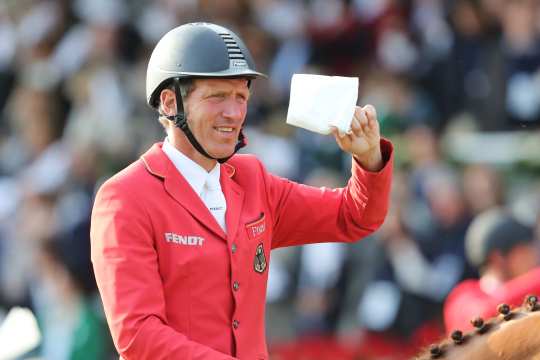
(232, 47)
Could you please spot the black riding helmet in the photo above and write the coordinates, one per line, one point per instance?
(196, 50)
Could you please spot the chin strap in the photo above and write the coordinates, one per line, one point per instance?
(180, 122)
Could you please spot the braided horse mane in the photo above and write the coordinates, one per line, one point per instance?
(512, 335)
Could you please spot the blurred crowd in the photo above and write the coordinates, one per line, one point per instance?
(456, 84)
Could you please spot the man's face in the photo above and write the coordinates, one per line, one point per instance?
(216, 109)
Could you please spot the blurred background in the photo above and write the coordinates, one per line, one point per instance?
(456, 85)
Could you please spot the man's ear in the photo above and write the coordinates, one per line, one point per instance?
(168, 101)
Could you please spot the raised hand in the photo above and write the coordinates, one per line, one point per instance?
(363, 141)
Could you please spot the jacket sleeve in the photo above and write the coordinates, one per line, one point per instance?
(303, 214)
(126, 270)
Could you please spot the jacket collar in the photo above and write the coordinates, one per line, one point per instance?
(158, 164)
(195, 174)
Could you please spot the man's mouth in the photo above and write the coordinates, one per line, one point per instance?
(225, 129)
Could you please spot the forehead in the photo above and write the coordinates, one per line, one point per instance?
(237, 84)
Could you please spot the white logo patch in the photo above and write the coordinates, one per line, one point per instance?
(238, 63)
(184, 239)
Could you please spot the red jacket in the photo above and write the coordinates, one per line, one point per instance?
(175, 286)
(467, 300)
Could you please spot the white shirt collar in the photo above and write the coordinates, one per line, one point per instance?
(195, 174)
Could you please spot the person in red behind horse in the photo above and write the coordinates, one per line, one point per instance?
(507, 253)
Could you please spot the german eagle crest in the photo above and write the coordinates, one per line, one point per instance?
(259, 264)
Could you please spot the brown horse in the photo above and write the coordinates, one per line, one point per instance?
(513, 335)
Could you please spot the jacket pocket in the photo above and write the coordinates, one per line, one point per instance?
(256, 229)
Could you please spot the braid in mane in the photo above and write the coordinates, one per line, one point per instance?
(514, 334)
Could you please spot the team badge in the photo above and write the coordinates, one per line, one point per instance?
(259, 263)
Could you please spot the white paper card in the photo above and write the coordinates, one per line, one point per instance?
(318, 102)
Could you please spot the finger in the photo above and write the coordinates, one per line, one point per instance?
(361, 134)
(374, 127)
(336, 136)
(357, 111)
(370, 112)
(356, 128)
(341, 138)
(336, 132)
(362, 117)
(341, 141)
(373, 124)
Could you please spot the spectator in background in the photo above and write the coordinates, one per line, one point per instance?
(72, 324)
(483, 188)
(506, 252)
(520, 45)
(425, 156)
(35, 165)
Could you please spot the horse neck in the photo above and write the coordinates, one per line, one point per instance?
(512, 337)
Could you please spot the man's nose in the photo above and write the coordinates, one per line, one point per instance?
(234, 110)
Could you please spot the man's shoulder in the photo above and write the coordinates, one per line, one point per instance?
(121, 177)
(245, 163)
(131, 173)
(130, 179)
(243, 159)
(151, 165)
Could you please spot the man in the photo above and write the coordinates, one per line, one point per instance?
(506, 252)
(181, 238)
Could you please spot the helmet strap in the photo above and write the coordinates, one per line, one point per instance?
(180, 121)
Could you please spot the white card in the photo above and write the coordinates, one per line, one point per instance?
(318, 102)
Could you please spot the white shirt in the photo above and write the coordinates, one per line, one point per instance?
(205, 183)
